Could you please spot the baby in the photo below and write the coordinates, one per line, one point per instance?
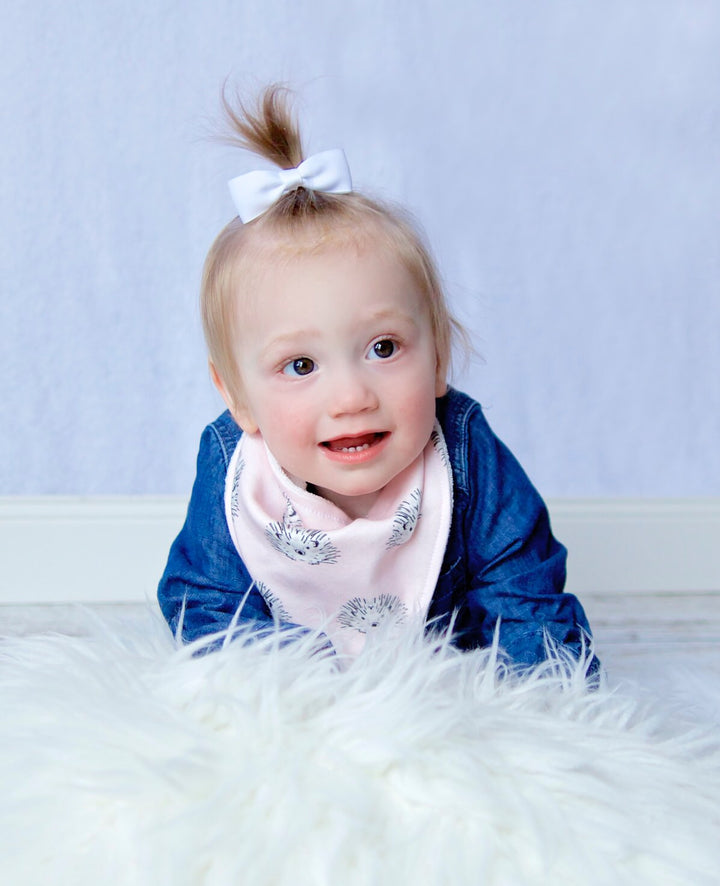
(348, 488)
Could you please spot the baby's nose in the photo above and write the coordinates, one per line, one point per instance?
(351, 394)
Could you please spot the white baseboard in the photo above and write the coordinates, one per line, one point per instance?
(102, 549)
(113, 549)
(640, 545)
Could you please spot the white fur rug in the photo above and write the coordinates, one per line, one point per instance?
(127, 760)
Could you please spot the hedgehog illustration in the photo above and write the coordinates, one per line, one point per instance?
(309, 546)
(440, 447)
(366, 616)
(235, 493)
(405, 520)
(274, 603)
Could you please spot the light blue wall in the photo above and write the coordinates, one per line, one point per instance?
(562, 156)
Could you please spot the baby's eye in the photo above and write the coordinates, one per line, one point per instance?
(382, 349)
(300, 367)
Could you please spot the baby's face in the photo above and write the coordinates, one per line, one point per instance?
(338, 365)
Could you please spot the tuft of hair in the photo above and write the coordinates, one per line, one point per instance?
(269, 130)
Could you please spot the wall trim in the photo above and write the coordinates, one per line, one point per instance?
(57, 549)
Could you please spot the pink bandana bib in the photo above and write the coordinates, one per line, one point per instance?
(317, 567)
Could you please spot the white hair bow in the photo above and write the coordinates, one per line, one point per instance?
(255, 192)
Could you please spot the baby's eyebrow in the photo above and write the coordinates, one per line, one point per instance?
(288, 337)
(390, 314)
(289, 340)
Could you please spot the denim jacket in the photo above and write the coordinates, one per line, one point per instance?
(502, 564)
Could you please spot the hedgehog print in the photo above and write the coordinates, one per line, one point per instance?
(405, 520)
(290, 538)
(366, 616)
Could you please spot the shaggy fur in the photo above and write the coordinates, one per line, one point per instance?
(127, 759)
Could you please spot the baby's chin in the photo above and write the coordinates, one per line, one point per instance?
(354, 505)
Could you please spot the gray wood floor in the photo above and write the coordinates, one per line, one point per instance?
(642, 637)
(684, 623)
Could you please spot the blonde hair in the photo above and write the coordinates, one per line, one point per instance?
(302, 221)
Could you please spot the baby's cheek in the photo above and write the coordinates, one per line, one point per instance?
(291, 421)
(419, 414)
(297, 418)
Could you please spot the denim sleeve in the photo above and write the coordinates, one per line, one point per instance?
(514, 567)
(204, 573)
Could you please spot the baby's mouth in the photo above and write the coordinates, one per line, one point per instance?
(354, 444)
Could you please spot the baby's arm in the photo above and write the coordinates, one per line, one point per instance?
(204, 573)
(514, 567)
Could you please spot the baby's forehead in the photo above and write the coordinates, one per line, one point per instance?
(331, 280)
(275, 256)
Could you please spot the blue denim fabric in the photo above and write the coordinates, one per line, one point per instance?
(501, 563)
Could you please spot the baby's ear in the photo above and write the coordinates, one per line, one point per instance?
(240, 412)
(243, 417)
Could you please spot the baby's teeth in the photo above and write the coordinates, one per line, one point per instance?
(355, 448)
